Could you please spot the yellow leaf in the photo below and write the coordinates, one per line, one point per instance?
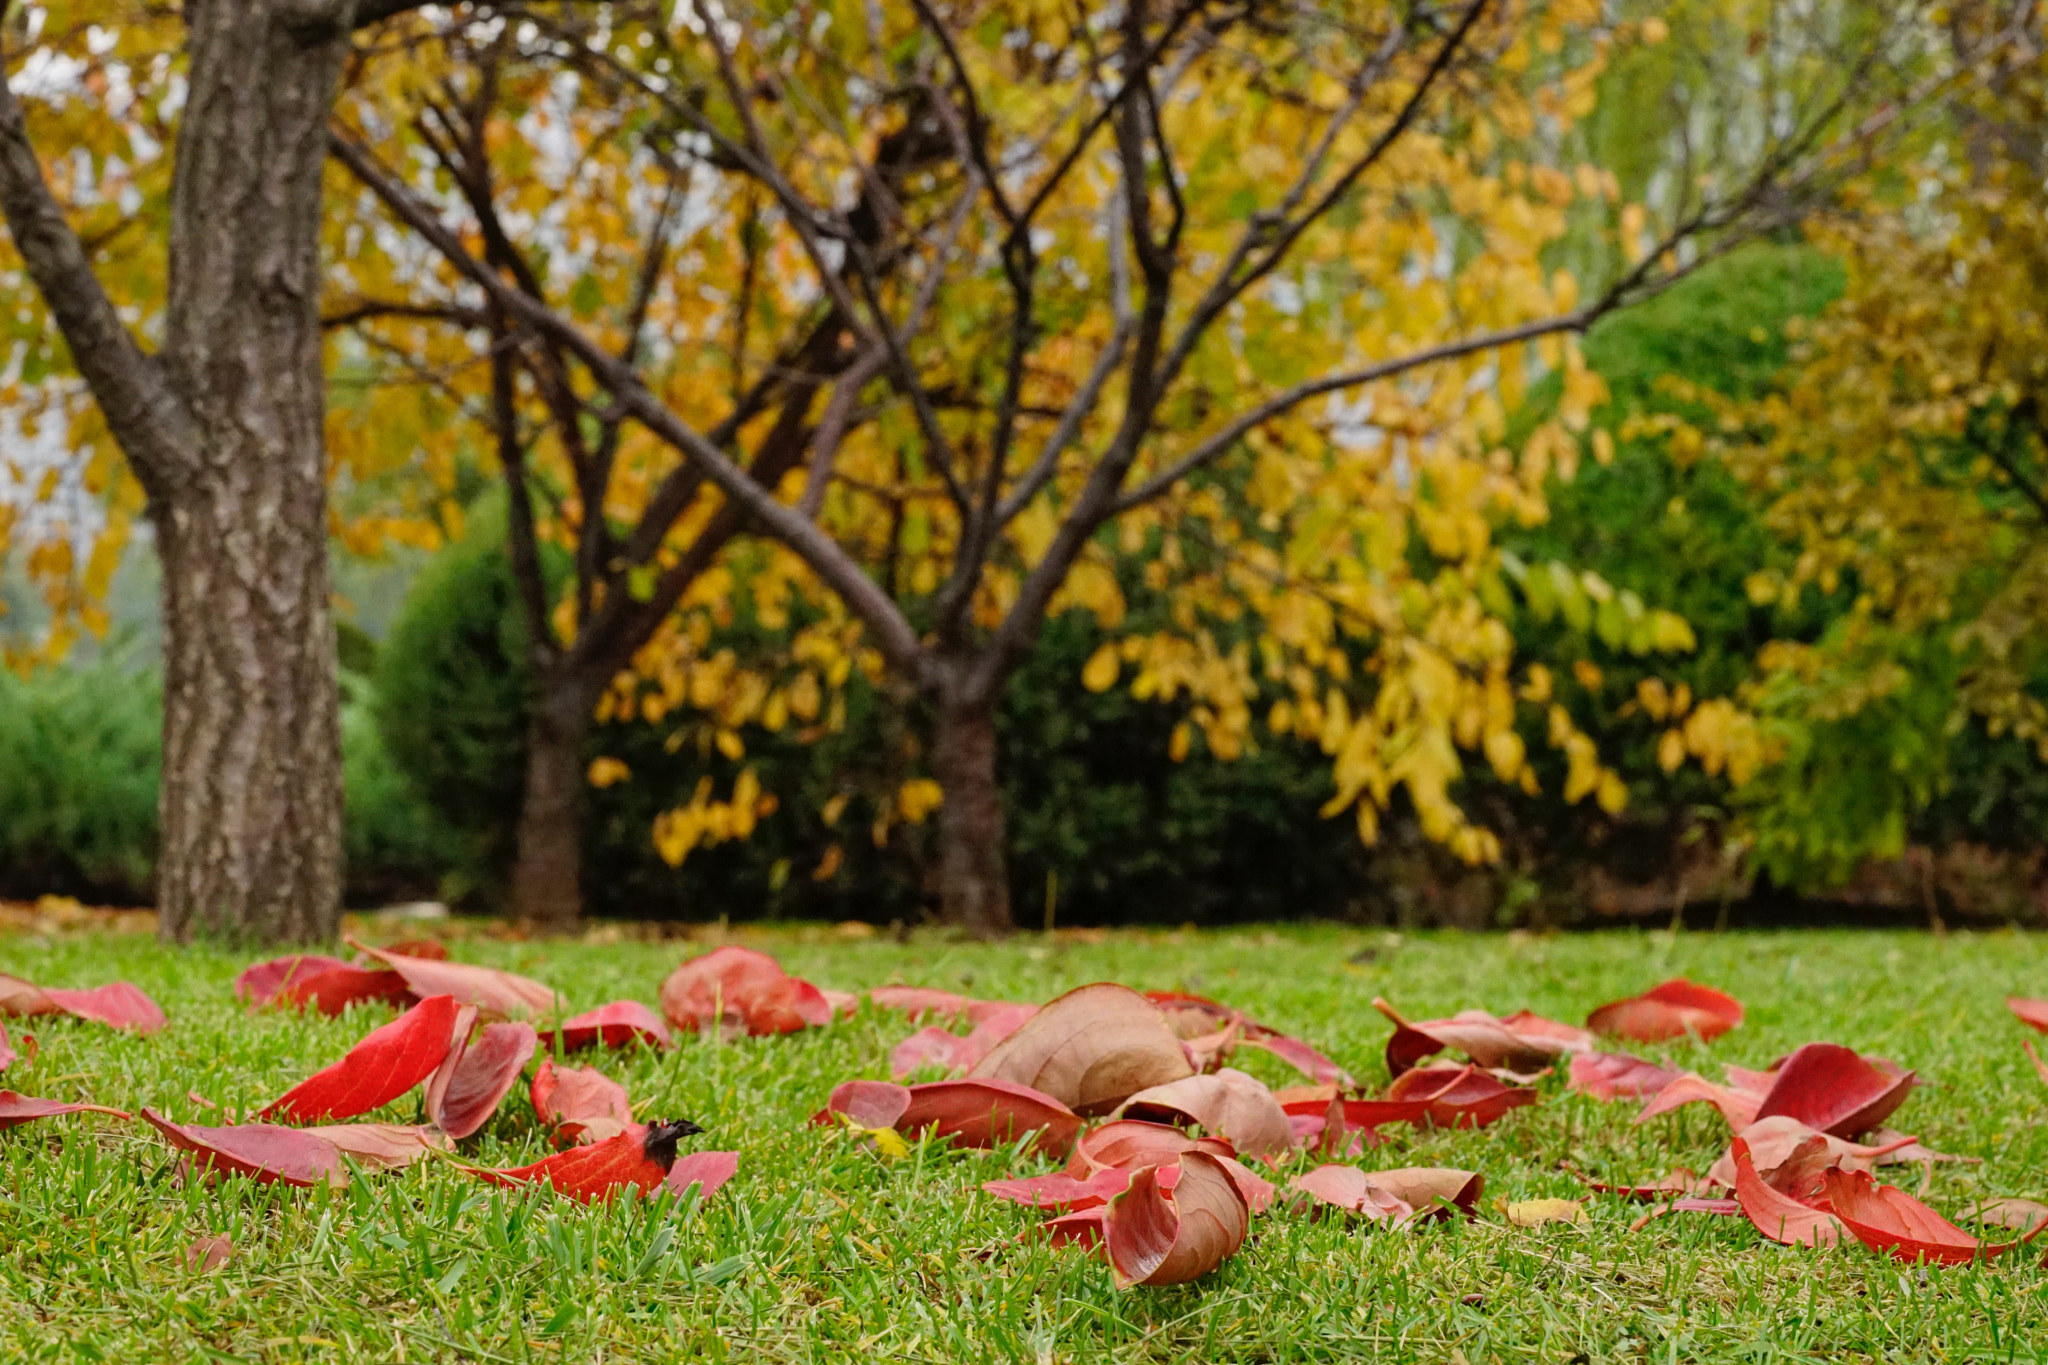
(605, 772)
(1531, 1213)
(1100, 673)
(918, 798)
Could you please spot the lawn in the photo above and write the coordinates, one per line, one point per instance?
(820, 1249)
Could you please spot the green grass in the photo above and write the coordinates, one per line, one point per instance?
(821, 1251)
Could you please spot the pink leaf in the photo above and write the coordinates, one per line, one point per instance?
(1062, 1191)
(615, 1025)
(1229, 1103)
(19, 1109)
(1521, 1042)
(1616, 1075)
(2032, 1013)
(582, 1102)
(1672, 1010)
(706, 1170)
(496, 994)
(262, 1151)
(478, 1076)
(744, 990)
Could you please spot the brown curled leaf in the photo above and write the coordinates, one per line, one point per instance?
(1174, 1224)
(1522, 1042)
(1228, 1103)
(1091, 1049)
(1459, 1097)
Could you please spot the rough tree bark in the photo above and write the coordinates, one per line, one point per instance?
(547, 870)
(223, 428)
(974, 877)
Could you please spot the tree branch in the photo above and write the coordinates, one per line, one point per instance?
(144, 414)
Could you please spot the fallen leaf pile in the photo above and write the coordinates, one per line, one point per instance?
(1152, 1151)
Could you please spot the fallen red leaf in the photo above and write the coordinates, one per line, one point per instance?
(1777, 1215)
(1671, 1010)
(971, 1113)
(1789, 1156)
(1126, 1144)
(7, 1052)
(2032, 1013)
(476, 1075)
(264, 1152)
(744, 991)
(19, 1109)
(1174, 1224)
(918, 1001)
(1211, 1029)
(641, 1157)
(1228, 1104)
(1459, 1097)
(1616, 1075)
(382, 1146)
(935, 1046)
(1401, 1196)
(1737, 1104)
(209, 1253)
(1829, 1087)
(1062, 1191)
(384, 1065)
(1520, 1042)
(1888, 1219)
(116, 1004)
(586, 1105)
(614, 1025)
(1091, 1049)
(336, 988)
(706, 1170)
(496, 994)
(258, 982)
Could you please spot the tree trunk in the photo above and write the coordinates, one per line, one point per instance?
(547, 868)
(974, 880)
(251, 797)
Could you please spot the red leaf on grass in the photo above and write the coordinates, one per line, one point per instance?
(476, 1075)
(972, 1113)
(18, 1109)
(1174, 1223)
(1300, 1056)
(264, 1152)
(1888, 1219)
(1616, 1075)
(1789, 1156)
(332, 991)
(2032, 1013)
(1229, 1103)
(1062, 1191)
(587, 1105)
(1091, 1049)
(614, 1025)
(1521, 1042)
(744, 991)
(116, 1004)
(258, 982)
(935, 1046)
(917, 1001)
(496, 994)
(1672, 1010)
(1777, 1215)
(388, 1062)
(1830, 1087)
(1459, 1097)
(1737, 1104)
(642, 1157)
(1127, 1144)
(1401, 1196)
(209, 1253)
(706, 1170)
(382, 1146)
(7, 1052)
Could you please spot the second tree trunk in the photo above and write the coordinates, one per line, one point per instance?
(974, 879)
